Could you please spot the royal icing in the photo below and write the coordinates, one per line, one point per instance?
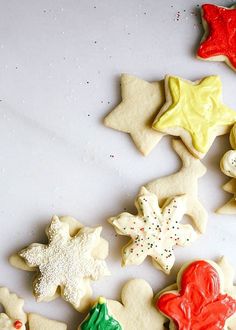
(154, 231)
(221, 39)
(99, 319)
(199, 304)
(8, 324)
(17, 324)
(66, 262)
(228, 163)
(196, 108)
(228, 167)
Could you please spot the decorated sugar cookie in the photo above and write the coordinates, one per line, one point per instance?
(14, 316)
(183, 182)
(219, 40)
(140, 104)
(154, 231)
(73, 257)
(99, 318)
(200, 301)
(228, 167)
(194, 111)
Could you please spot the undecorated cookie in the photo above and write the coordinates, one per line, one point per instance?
(183, 182)
(154, 231)
(38, 322)
(218, 43)
(136, 311)
(194, 111)
(203, 299)
(140, 104)
(73, 257)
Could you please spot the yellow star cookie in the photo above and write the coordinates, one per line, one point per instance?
(140, 104)
(195, 112)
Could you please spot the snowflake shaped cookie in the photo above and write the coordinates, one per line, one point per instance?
(66, 262)
(154, 231)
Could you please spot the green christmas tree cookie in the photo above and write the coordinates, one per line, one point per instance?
(99, 319)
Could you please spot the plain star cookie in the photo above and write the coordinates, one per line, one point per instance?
(194, 111)
(228, 167)
(219, 40)
(184, 182)
(140, 104)
(154, 231)
(68, 263)
(99, 318)
(200, 301)
(14, 316)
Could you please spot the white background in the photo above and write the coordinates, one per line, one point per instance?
(60, 63)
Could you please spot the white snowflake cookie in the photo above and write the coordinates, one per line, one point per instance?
(154, 231)
(73, 257)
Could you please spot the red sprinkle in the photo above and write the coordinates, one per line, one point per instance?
(18, 324)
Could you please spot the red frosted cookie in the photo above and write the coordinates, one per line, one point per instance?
(219, 40)
(200, 303)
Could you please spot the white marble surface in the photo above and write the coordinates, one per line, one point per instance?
(60, 63)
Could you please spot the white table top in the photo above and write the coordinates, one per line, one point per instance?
(59, 75)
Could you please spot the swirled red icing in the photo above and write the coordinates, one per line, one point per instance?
(222, 33)
(199, 305)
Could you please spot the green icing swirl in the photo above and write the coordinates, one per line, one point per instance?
(99, 319)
